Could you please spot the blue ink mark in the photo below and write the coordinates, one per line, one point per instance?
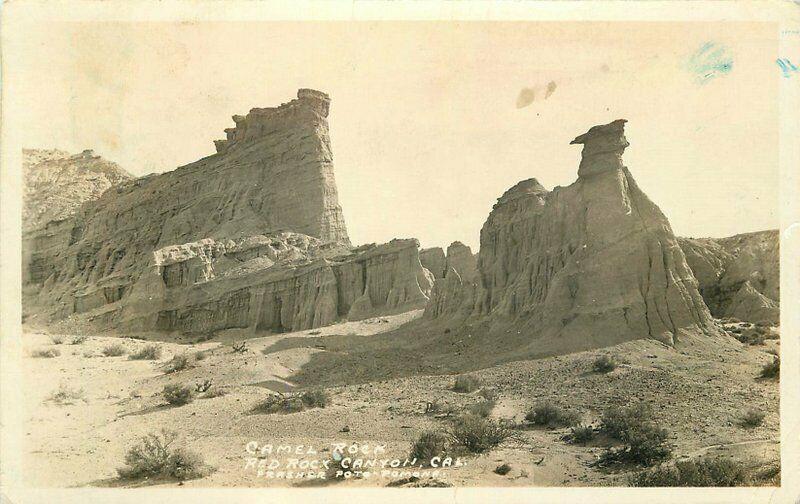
(710, 61)
(787, 67)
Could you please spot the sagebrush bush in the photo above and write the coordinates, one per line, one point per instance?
(772, 369)
(56, 339)
(752, 418)
(550, 415)
(149, 352)
(177, 394)
(466, 384)
(114, 350)
(716, 472)
(176, 363)
(45, 353)
(482, 409)
(214, 392)
(477, 435)
(429, 444)
(156, 457)
(278, 403)
(67, 395)
(604, 364)
(315, 398)
(200, 355)
(437, 407)
(77, 340)
(644, 442)
(581, 434)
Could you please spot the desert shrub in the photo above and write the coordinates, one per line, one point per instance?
(176, 363)
(644, 442)
(548, 414)
(203, 386)
(278, 403)
(716, 472)
(753, 336)
(477, 435)
(466, 384)
(604, 364)
(114, 350)
(56, 339)
(177, 394)
(489, 393)
(200, 355)
(77, 340)
(45, 353)
(581, 434)
(437, 407)
(502, 469)
(429, 444)
(149, 352)
(768, 474)
(67, 395)
(214, 392)
(156, 456)
(482, 409)
(752, 418)
(772, 369)
(240, 347)
(315, 398)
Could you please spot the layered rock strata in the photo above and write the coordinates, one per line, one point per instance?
(586, 265)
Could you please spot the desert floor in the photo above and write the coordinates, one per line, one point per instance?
(699, 394)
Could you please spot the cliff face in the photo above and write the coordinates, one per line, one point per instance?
(56, 183)
(586, 265)
(255, 229)
(739, 276)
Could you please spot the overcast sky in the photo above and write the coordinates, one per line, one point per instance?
(426, 124)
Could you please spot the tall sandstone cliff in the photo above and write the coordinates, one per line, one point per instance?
(252, 236)
(587, 265)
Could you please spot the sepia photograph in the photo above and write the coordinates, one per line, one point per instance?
(357, 253)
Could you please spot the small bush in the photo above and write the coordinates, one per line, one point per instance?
(56, 339)
(278, 403)
(177, 394)
(644, 441)
(240, 347)
(581, 434)
(477, 435)
(155, 457)
(466, 384)
(604, 364)
(437, 407)
(502, 469)
(752, 418)
(66, 395)
(77, 340)
(214, 392)
(114, 350)
(482, 409)
(430, 444)
(150, 352)
(200, 355)
(551, 415)
(203, 386)
(46, 353)
(616, 422)
(176, 363)
(315, 399)
(489, 393)
(772, 370)
(717, 472)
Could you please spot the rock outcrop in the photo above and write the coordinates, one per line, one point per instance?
(434, 260)
(252, 236)
(55, 183)
(739, 276)
(587, 265)
(461, 259)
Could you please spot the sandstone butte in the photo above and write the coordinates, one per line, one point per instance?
(250, 237)
(587, 265)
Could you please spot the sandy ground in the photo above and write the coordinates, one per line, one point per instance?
(698, 394)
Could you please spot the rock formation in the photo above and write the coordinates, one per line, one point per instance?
(739, 276)
(587, 265)
(252, 236)
(55, 183)
(434, 260)
(461, 259)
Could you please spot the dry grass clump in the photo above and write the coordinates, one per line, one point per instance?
(315, 398)
(644, 442)
(716, 472)
(291, 403)
(45, 353)
(176, 363)
(114, 350)
(482, 409)
(580, 434)
(177, 394)
(430, 444)
(66, 395)
(156, 456)
(466, 384)
(77, 340)
(149, 352)
(772, 369)
(56, 339)
(604, 364)
(752, 418)
(550, 415)
(474, 434)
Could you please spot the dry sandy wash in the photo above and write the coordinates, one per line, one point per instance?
(698, 394)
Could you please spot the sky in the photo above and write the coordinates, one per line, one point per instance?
(430, 122)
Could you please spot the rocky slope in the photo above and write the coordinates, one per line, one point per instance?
(55, 183)
(252, 236)
(739, 276)
(586, 265)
